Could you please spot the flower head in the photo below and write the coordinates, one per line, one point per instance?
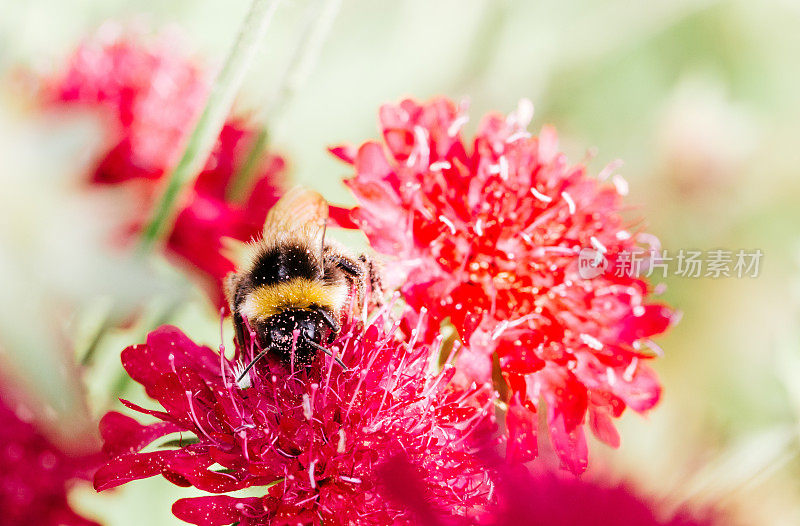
(489, 232)
(314, 439)
(552, 498)
(151, 93)
(36, 472)
(541, 496)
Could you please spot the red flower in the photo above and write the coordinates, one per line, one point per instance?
(35, 472)
(542, 497)
(152, 93)
(556, 500)
(149, 89)
(489, 233)
(313, 439)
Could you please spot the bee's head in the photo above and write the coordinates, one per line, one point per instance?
(278, 334)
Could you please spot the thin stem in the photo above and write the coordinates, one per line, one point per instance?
(94, 343)
(210, 123)
(485, 44)
(305, 55)
(737, 470)
(307, 49)
(241, 180)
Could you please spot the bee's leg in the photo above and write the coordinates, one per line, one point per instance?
(353, 272)
(327, 317)
(328, 352)
(230, 287)
(374, 277)
(346, 265)
(238, 324)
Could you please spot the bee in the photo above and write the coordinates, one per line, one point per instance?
(293, 284)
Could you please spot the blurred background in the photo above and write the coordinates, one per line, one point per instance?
(698, 97)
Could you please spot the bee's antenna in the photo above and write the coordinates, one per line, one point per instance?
(328, 352)
(250, 365)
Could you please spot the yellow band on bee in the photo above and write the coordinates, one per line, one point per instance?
(298, 293)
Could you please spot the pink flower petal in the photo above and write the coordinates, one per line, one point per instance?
(131, 466)
(654, 319)
(345, 152)
(603, 427)
(642, 392)
(340, 217)
(220, 510)
(122, 434)
(194, 469)
(372, 163)
(522, 427)
(569, 444)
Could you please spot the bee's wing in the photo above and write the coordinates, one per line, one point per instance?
(300, 209)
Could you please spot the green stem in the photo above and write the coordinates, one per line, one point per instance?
(207, 129)
(485, 44)
(241, 180)
(316, 28)
(94, 343)
(307, 50)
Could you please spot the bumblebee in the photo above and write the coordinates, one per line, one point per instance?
(293, 284)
